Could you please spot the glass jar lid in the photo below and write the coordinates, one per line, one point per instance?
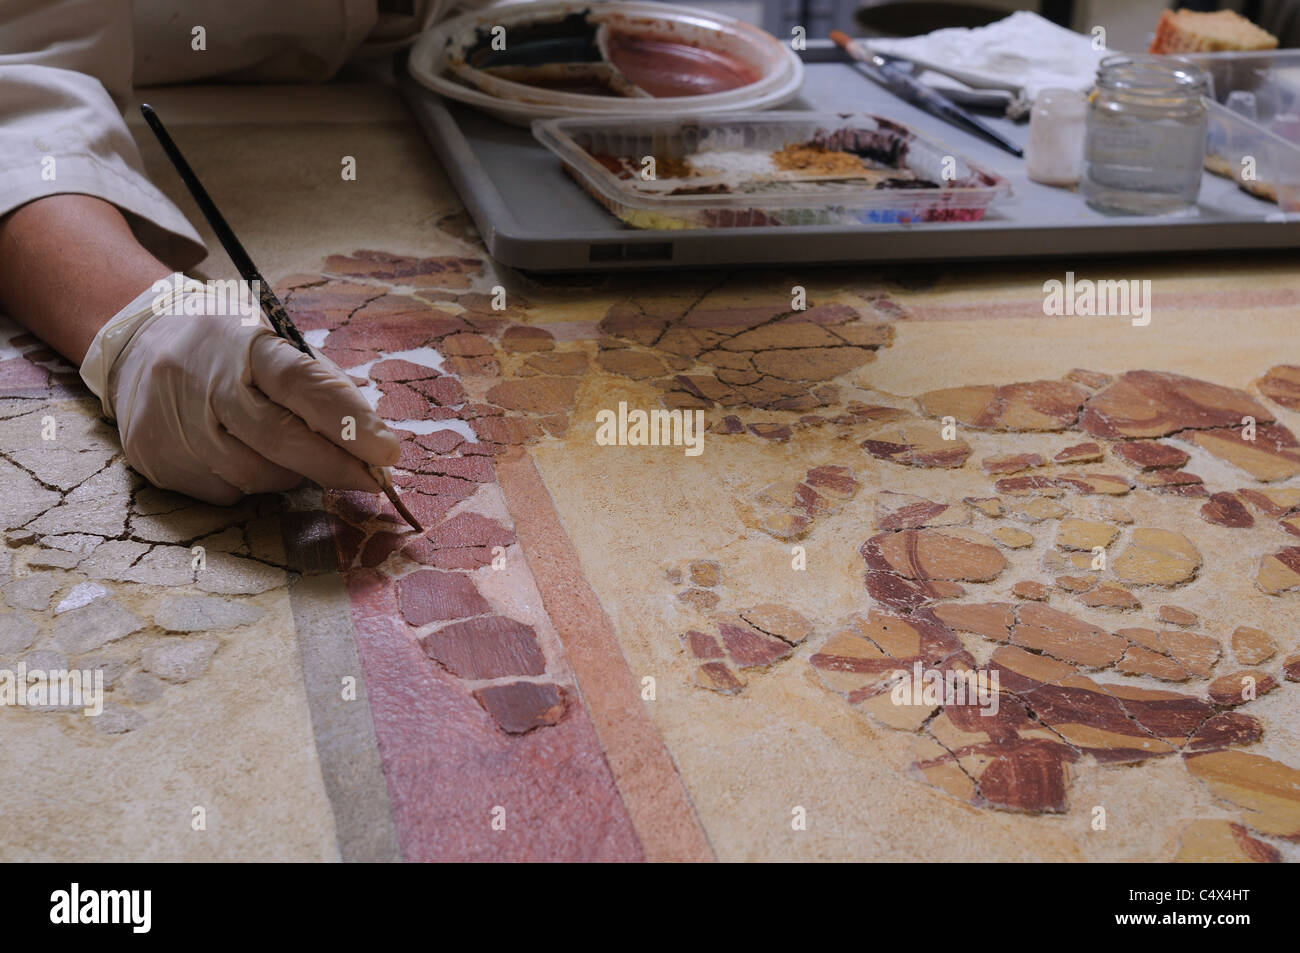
(1152, 76)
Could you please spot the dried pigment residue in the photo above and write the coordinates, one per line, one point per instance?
(816, 160)
(667, 167)
(626, 167)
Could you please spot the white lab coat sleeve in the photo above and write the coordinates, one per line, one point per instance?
(397, 30)
(247, 41)
(65, 76)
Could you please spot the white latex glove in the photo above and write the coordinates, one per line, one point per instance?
(212, 408)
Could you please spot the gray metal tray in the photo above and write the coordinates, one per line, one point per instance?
(534, 217)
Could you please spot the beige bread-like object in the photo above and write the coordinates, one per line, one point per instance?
(1190, 32)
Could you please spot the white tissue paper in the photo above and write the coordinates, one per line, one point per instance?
(1023, 53)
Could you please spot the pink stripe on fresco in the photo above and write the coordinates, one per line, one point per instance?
(447, 764)
(1031, 305)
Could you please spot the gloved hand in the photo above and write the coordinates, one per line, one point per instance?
(210, 407)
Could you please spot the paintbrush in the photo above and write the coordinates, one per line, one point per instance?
(271, 306)
(902, 85)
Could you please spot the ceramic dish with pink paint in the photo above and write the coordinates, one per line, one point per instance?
(537, 60)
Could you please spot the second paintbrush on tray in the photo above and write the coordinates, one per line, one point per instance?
(771, 168)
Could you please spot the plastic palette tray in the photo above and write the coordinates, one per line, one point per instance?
(534, 216)
(1255, 121)
(772, 198)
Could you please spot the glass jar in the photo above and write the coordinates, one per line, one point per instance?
(1144, 145)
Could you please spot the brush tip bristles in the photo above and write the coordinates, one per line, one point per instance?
(402, 511)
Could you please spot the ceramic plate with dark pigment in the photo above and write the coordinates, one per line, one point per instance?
(558, 58)
(606, 53)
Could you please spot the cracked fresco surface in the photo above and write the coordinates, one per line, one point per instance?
(502, 657)
(1088, 672)
(102, 569)
(1116, 545)
(1048, 557)
(183, 609)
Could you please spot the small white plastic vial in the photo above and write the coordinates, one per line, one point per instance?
(1056, 131)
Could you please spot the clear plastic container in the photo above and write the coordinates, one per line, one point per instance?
(733, 188)
(1254, 122)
